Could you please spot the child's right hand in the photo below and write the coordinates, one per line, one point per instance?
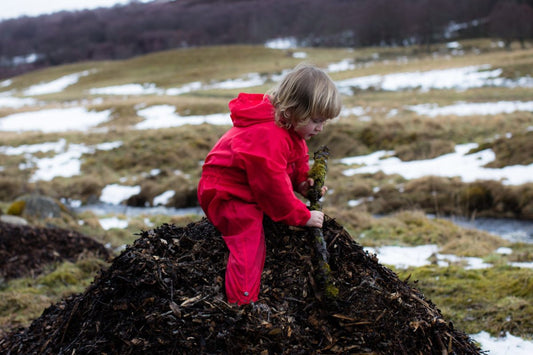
(316, 220)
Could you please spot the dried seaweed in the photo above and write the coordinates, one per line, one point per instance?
(26, 250)
(165, 295)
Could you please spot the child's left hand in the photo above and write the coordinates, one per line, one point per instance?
(305, 185)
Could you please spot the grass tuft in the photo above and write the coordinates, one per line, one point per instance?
(496, 300)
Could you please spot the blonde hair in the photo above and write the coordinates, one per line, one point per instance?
(306, 92)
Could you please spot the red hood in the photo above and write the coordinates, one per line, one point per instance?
(250, 109)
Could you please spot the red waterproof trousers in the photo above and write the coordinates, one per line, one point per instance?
(241, 225)
(253, 169)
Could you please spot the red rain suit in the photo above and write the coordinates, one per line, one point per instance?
(253, 169)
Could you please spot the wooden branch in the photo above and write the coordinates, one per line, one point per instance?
(318, 174)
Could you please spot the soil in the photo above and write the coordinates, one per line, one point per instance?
(164, 294)
(26, 250)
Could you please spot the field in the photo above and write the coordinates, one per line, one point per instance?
(479, 99)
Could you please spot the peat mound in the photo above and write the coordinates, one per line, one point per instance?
(164, 294)
(25, 250)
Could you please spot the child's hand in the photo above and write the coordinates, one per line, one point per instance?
(316, 220)
(305, 185)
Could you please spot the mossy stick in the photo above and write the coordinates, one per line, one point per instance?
(318, 174)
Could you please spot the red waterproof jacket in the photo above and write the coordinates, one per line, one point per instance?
(259, 162)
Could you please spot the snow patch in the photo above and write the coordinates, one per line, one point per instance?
(472, 108)
(164, 116)
(469, 167)
(164, 198)
(54, 120)
(507, 345)
(114, 194)
(57, 85)
(113, 222)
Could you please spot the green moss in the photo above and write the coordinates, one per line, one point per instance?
(65, 274)
(332, 292)
(497, 300)
(24, 299)
(318, 174)
(17, 208)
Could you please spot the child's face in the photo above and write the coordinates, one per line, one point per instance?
(311, 128)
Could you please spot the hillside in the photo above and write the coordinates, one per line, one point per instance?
(119, 146)
(121, 32)
(148, 115)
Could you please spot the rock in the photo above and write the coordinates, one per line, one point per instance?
(36, 206)
(13, 220)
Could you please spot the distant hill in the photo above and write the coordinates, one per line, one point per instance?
(30, 43)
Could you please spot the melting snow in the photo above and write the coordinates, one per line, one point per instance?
(467, 166)
(6, 100)
(54, 120)
(281, 43)
(113, 222)
(194, 86)
(343, 65)
(300, 55)
(507, 345)
(251, 80)
(115, 194)
(404, 257)
(127, 89)
(454, 78)
(65, 163)
(468, 109)
(164, 198)
(164, 116)
(57, 85)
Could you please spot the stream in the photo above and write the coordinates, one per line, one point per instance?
(101, 209)
(513, 230)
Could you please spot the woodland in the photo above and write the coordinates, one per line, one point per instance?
(120, 32)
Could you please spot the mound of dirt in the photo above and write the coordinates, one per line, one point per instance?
(25, 250)
(165, 295)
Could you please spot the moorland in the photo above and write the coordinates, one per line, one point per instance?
(377, 208)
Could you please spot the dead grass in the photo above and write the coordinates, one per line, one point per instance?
(442, 196)
(182, 148)
(410, 228)
(513, 150)
(476, 299)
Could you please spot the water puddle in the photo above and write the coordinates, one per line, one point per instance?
(511, 229)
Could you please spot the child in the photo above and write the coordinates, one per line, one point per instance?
(258, 164)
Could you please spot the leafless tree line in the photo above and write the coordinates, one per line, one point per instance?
(28, 43)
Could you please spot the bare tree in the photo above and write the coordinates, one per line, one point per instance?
(512, 20)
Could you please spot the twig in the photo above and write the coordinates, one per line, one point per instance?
(318, 174)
